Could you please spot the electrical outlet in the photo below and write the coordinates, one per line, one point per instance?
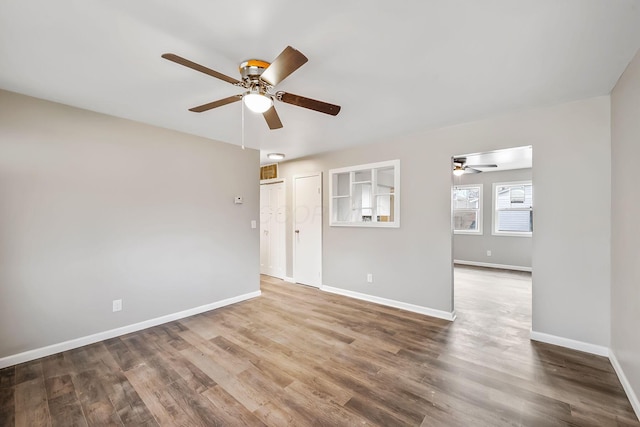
(369, 278)
(117, 305)
(488, 253)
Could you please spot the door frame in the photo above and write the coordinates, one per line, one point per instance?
(293, 224)
(452, 231)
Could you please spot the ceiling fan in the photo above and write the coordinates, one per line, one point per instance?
(258, 81)
(460, 166)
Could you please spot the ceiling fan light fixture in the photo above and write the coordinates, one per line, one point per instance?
(458, 171)
(275, 156)
(257, 103)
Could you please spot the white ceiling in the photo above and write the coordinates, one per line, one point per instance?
(394, 67)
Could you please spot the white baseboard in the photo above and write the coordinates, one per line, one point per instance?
(289, 279)
(598, 350)
(631, 394)
(490, 265)
(101, 336)
(392, 303)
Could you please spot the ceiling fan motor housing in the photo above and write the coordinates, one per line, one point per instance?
(251, 70)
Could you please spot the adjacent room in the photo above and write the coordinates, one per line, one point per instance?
(492, 221)
(287, 213)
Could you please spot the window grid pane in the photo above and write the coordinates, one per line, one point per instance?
(467, 203)
(465, 220)
(466, 198)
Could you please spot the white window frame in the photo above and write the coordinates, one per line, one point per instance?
(479, 216)
(494, 210)
(352, 170)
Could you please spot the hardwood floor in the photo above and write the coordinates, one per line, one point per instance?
(299, 356)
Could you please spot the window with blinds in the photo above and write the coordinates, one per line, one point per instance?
(513, 208)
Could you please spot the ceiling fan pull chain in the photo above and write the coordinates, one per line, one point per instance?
(242, 115)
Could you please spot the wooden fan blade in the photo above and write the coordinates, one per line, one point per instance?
(483, 166)
(471, 170)
(182, 61)
(272, 118)
(286, 63)
(311, 104)
(216, 104)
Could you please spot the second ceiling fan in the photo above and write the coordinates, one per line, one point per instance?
(460, 166)
(258, 81)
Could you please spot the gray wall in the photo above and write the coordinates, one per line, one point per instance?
(505, 250)
(571, 259)
(95, 208)
(625, 251)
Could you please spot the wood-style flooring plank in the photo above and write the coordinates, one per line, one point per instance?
(64, 406)
(322, 407)
(7, 377)
(126, 401)
(95, 402)
(31, 406)
(231, 411)
(302, 357)
(28, 371)
(7, 402)
(152, 390)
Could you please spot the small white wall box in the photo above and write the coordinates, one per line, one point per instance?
(238, 200)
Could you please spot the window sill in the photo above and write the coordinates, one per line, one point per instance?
(371, 224)
(513, 234)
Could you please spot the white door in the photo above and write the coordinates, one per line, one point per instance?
(272, 229)
(307, 229)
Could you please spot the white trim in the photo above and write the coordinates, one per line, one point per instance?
(512, 233)
(490, 265)
(375, 165)
(271, 181)
(372, 224)
(101, 336)
(626, 385)
(598, 350)
(289, 279)
(393, 303)
(467, 232)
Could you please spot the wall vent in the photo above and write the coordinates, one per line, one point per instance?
(269, 171)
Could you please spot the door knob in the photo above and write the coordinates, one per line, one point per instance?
(297, 231)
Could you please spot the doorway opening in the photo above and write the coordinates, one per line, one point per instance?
(492, 234)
